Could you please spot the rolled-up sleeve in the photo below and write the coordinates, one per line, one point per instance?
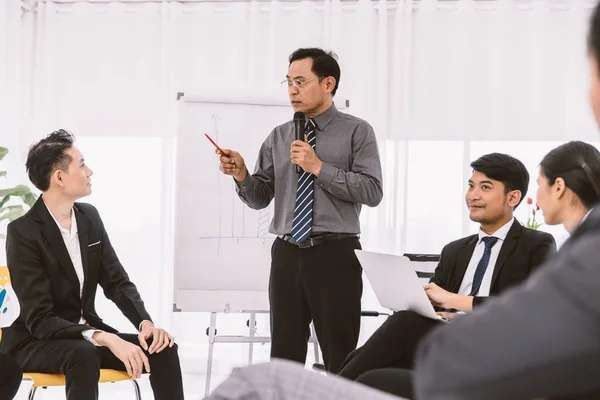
(258, 189)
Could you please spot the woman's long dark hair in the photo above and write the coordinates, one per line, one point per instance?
(578, 163)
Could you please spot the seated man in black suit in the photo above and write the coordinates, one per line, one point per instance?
(10, 377)
(470, 269)
(58, 253)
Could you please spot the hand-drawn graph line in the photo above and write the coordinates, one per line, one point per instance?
(264, 215)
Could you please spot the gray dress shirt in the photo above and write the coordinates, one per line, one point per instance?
(350, 175)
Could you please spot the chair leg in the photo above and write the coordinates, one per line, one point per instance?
(136, 389)
(252, 326)
(32, 392)
(211, 341)
(316, 343)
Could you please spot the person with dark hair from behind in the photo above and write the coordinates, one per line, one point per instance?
(58, 253)
(541, 339)
(10, 377)
(470, 269)
(315, 274)
(569, 184)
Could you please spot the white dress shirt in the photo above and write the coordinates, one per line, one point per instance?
(71, 239)
(486, 283)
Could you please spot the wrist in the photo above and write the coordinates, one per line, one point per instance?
(242, 176)
(450, 301)
(461, 302)
(103, 338)
(317, 169)
(145, 324)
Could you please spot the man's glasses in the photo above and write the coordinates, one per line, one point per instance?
(299, 83)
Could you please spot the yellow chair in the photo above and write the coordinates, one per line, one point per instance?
(47, 380)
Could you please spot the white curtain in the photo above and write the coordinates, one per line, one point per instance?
(126, 60)
(509, 70)
(438, 80)
(11, 97)
(10, 63)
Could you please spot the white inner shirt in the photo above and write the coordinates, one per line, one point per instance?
(71, 239)
(486, 283)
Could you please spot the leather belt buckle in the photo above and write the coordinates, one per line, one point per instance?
(310, 242)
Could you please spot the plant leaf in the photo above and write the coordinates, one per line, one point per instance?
(18, 206)
(4, 200)
(12, 213)
(29, 199)
(24, 192)
(19, 190)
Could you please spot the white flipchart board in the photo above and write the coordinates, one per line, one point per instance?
(222, 247)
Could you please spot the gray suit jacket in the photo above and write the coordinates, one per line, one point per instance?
(540, 339)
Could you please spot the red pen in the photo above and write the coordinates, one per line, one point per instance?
(216, 145)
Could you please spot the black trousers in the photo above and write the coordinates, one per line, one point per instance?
(10, 377)
(393, 345)
(398, 382)
(81, 361)
(322, 283)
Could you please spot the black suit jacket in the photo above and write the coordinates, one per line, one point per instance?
(46, 284)
(522, 252)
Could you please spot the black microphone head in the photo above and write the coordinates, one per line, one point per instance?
(299, 116)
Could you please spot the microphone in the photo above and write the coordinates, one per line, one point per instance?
(299, 121)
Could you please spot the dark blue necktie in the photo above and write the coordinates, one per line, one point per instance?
(303, 211)
(489, 242)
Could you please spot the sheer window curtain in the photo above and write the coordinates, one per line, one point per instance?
(11, 38)
(438, 80)
(506, 76)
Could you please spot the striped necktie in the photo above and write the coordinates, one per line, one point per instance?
(302, 224)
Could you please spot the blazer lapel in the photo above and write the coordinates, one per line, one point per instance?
(462, 262)
(52, 234)
(510, 242)
(83, 227)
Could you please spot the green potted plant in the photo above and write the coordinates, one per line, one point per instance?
(23, 193)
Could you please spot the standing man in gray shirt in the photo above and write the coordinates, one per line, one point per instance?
(314, 272)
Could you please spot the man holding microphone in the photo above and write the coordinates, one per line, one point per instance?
(314, 272)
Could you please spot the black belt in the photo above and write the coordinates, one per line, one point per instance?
(319, 238)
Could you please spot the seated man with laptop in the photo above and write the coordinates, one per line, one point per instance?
(501, 255)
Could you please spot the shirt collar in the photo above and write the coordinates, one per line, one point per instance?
(586, 216)
(73, 230)
(324, 118)
(500, 233)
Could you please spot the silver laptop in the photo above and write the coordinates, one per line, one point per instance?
(396, 283)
